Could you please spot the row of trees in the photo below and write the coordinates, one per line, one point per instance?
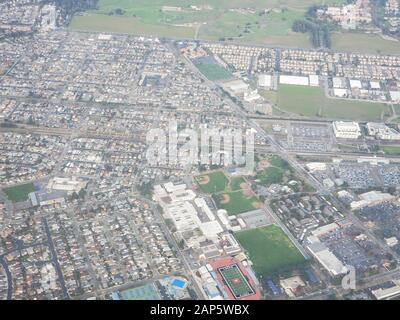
(320, 32)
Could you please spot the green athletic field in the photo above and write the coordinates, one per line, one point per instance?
(19, 193)
(236, 202)
(236, 281)
(217, 182)
(270, 250)
(214, 72)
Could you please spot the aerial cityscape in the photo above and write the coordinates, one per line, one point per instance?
(199, 150)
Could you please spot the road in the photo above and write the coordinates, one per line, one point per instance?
(9, 277)
(55, 260)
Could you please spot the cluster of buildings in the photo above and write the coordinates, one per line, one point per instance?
(341, 245)
(195, 222)
(348, 75)
(25, 17)
(303, 214)
(350, 16)
(27, 157)
(392, 15)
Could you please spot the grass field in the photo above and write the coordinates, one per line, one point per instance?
(236, 202)
(211, 20)
(19, 193)
(274, 173)
(214, 72)
(236, 182)
(311, 101)
(391, 150)
(236, 281)
(104, 23)
(212, 182)
(270, 176)
(364, 43)
(270, 250)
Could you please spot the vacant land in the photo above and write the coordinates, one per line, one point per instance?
(19, 193)
(212, 182)
(391, 150)
(131, 25)
(237, 202)
(311, 101)
(210, 20)
(214, 72)
(364, 43)
(270, 250)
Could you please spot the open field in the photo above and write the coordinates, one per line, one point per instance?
(211, 20)
(104, 23)
(269, 249)
(19, 193)
(364, 43)
(212, 182)
(214, 72)
(237, 202)
(391, 150)
(311, 102)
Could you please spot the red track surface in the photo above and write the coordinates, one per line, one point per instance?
(223, 262)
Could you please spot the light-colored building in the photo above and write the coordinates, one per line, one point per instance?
(346, 130)
(327, 259)
(386, 293)
(382, 131)
(295, 80)
(265, 80)
(371, 198)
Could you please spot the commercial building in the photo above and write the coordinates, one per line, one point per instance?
(295, 80)
(326, 258)
(346, 130)
(371, 198)
(381, 131)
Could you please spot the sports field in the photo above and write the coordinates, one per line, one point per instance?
(214, 72)
(237, 202)
(270, 250)
(236, 281)
(145, 292)
(237, 183)
(243, 21)
(19, 193)
(212, 182)
(312, 102)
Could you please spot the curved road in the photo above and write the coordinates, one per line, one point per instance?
(9, 277)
